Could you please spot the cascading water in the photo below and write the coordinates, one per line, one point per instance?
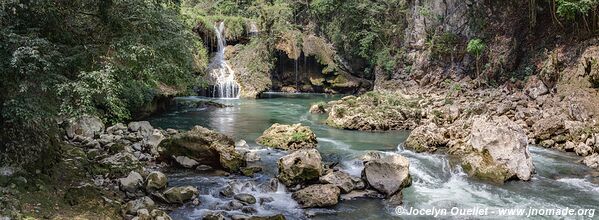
(222, 75)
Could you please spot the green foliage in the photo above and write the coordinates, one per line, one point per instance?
(443, 45)
(476, 47)
(571, 9)
(365, 30)
(98, 57)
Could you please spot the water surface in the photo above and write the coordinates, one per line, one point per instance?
(560, 181)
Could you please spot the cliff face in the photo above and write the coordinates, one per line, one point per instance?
(437, 36)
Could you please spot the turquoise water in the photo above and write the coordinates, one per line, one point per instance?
(560, 182)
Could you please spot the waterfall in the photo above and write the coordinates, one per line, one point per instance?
(221, 73)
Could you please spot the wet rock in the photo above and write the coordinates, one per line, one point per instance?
(263, 200)
(214, 216)
(271, 186)
(186, 162)
(84, 126)
(371, 155)
(241, 144)
(181, 194)
(156, 181)
(204, 146)
(395, 200)
(142, 203)
(273, 217)
(358, 194)
(249, 171)
(131, 183)
(388, 174)
(318, 195)
(249, 210)
(498, 150)
(251, 156)
(288, 137)
(235, 205)
(300, 166)
(318, 108)
(245, 198)
(340, 179)
(228, 191)
(426, 138)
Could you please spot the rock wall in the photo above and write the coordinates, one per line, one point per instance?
(437, 35)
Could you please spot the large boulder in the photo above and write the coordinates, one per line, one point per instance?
(180, 194)
(288, 137)
(545, 128)
(498, 150)
(205, 146)
(340, 179)
(132, 182)
(85, 126)
(426, 138)
(300, 166)
(156, 181)
(388, 174)
(319, 195)
(142, 203)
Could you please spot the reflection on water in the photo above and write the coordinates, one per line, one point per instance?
(559, 182)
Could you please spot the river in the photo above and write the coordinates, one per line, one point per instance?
(559, 182)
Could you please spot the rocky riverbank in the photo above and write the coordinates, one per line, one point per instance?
(564, 121)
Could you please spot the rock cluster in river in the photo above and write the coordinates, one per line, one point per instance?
(314, 185)
(445, 120)
(288, 137)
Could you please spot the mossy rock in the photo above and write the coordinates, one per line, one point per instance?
(288, 137)
(206, 146)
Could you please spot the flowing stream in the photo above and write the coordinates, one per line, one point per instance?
(222, 75)
(560, 181)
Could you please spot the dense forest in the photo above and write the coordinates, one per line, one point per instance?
(117, 59)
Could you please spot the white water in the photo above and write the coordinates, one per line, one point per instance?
(225, 85)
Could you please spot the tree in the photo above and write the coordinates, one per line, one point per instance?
(476, 47)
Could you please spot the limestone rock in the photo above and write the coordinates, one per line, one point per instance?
(132, 182)
(288, 137)
(499, 150)
(583, 150)
(186, 161)
(340, 179)
(300, 166)
(180, 194)
(156, 180)
(426, 138)
(245, 198)
(535, 87)
(319, 195)
(142, 203)
(388, 174)
(204, 146)
(85, 126)
(591, 161)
